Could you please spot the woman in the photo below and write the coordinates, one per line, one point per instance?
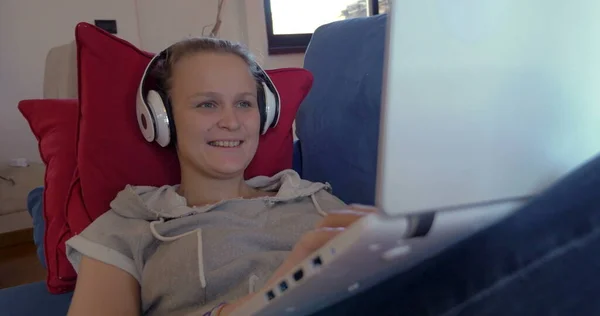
(215, 238)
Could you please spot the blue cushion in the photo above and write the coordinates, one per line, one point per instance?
(33, 299)
(338, 122)
(36, 210)
(297, 159)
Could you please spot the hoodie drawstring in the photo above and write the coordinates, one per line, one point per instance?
(317, 206)
(252, 283)
(253, 278)
(198, 232)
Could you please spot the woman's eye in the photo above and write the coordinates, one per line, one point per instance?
(206, 105)
(244, 104)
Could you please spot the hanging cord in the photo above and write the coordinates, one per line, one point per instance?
(215, 30)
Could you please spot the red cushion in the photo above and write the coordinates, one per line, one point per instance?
(54, 124)
(276, 147)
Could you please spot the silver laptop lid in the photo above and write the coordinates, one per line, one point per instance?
(486, 100)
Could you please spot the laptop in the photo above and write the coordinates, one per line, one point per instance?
(485, 105)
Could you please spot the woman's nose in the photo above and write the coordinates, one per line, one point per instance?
(229, 119)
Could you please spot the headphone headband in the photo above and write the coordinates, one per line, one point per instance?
(148, 70)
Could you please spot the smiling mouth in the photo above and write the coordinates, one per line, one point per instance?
(226, 143)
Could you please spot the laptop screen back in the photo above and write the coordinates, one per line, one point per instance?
(486, 100)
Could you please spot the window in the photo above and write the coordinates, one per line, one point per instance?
(290, 23)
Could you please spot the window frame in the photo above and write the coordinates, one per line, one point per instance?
(296, 43)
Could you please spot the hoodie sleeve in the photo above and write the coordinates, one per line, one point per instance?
(111, 239)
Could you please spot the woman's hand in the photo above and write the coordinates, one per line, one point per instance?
(326, 229)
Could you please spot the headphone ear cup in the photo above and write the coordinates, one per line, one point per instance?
(161, 119)
(261, 107)
(170, 119)
(271, 107)
(145, 120)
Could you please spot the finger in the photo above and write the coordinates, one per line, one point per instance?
(345, 217)
(363, 208)
(315, 239)
(349, 211)
(340, 219)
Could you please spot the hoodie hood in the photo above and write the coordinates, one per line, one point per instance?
(152, 203)
(288, 185)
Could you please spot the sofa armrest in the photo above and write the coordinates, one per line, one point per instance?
(297, 158)
(33, 299)
(36, 210)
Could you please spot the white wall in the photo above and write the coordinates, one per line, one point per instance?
(30, 28)
(243, 21)
(164, 22)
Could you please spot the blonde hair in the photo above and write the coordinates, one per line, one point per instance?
(163, 71)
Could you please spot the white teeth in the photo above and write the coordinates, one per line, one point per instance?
(226, 143)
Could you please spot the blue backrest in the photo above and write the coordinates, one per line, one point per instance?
(338, 122)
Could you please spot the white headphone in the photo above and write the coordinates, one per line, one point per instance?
(154, 109)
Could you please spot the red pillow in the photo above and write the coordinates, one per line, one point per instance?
(54, 124)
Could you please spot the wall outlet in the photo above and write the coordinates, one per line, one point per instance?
(108, 25)
(19, 162)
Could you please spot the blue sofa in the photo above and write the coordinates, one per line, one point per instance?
(346, 59)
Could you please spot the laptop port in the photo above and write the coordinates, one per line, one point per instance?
(317, 262)
(283, 286)
(298, 275)
(270, 295)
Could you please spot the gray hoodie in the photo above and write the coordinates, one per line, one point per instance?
(189, 259)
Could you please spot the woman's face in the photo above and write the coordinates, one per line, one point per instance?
(213, 96)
